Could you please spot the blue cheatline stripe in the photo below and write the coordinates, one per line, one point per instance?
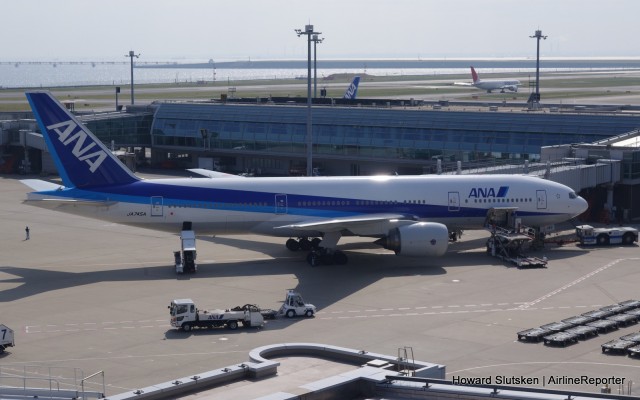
(260, 202)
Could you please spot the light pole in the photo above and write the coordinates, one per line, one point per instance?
(315, 40)
(213, 68)
(538, 35)
(308, 30)
(131, 55)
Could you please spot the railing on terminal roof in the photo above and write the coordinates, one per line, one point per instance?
(617, 138)
(33, 380)
(536, 393)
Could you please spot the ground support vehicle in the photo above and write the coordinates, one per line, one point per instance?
(561, 338)
(633, 351)
(588, 235)
(185, 259)
(509, 237)
(6, 338)
(185, 316)
(294, 306)
(582, 332)
(533, 334)
(604, 325)
(619, 346)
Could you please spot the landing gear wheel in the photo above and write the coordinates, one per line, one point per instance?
(339, 258)
(327, 259)
(313, 259)
(292, 245)
(315, 242)
(291, 313)
(305, 244)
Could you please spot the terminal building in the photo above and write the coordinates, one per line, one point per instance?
(363, 138)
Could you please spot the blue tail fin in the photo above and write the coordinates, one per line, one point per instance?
(352, 90)
(82, 160)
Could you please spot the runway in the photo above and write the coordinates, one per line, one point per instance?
(598, 87)
(92, 295)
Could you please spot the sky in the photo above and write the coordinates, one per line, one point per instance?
(182, 30)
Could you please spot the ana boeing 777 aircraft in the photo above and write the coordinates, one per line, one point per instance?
(491, 85)
(411, 215)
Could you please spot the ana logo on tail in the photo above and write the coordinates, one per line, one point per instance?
(80, 157)
(352, 90)
(66, 135)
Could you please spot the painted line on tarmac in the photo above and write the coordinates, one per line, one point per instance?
(321, 315)
(576, 281)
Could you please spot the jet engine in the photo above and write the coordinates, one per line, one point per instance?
(422, 239)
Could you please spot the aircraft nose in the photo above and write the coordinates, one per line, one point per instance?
(581, 205)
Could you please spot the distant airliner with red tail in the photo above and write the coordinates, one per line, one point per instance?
(491, 85)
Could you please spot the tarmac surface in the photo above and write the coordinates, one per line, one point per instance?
(93, 295)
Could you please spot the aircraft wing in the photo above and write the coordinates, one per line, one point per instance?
(212, 174)
(462, 84)
(365, 225)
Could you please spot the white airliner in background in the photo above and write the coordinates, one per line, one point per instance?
(492, 84)
(411, 215)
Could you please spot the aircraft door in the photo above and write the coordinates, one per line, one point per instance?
(281, 204)
(541, 199)
(454, 201)
(156, 206)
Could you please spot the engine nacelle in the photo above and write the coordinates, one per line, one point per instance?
(422, 239)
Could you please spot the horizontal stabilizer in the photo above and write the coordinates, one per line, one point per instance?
(58, 201)
(40, 185)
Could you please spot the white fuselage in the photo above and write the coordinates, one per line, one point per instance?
(490, 85)
(260, 205)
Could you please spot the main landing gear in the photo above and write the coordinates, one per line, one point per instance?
(327, 257)
(303, 244)
(327, 254)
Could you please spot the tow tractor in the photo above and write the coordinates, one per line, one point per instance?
(6, 338)
(588, 235)
(185, 316)
(294, 305)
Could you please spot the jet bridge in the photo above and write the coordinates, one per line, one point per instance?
(508, 237)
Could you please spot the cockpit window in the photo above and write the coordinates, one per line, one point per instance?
(573, 195)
